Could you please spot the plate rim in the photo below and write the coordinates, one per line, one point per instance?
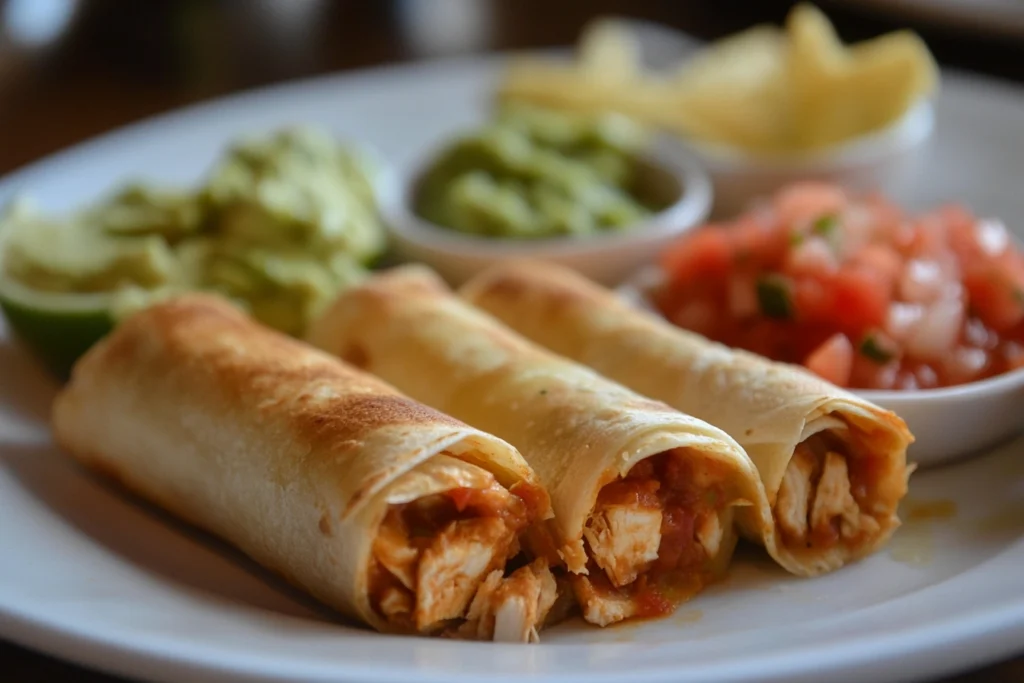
(970, 632)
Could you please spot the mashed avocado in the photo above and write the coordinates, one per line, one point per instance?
(138, 210)
(537, 173)
(281, 223)
(297, 189)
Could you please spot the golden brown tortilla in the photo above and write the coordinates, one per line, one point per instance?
(586, 437)
(314, 469)
(775, 411)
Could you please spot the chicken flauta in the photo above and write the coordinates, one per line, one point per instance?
(440, 564)
(654, 538)
(821, 501)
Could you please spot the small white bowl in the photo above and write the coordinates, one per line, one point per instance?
(607, 258)
(888, 160)
(947, 423)
(958, 421)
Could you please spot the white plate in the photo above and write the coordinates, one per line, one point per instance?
(89, 575)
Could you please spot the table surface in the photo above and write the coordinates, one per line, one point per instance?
(118, 61)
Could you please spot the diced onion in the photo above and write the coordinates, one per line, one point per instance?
(966, 363)
(887, 375)
(926, 377)
(906, 381)
(938, 331)
(812, 257)
(978, 335)
(922, 281)
(992, 236)
(903, 319)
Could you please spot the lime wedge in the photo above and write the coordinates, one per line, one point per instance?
(58, 328)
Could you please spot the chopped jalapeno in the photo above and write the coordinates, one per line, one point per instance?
(872, 349)
(825, 226)
(774, 298)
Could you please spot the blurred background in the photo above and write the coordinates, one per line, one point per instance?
(71, 69)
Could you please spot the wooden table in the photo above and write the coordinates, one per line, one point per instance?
(122, 60)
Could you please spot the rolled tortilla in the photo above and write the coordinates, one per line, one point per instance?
(833, 465)
(382, 508)
(643, 495)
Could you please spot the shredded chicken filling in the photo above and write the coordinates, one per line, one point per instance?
(440, 560)
(823, 497)
(510, 609)
(651, 537)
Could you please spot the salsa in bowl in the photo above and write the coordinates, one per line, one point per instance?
(920, 313)
(854, 288)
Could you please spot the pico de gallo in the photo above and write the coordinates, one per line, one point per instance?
(854, 288)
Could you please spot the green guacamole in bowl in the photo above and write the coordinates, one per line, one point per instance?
(533, 173)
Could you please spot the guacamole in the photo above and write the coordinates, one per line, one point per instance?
(534, 173)
(281, 223)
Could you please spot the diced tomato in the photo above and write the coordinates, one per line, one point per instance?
(956, 217)
(1013, 353)
(461, 497)
(700, 315)
(805, 275)
(887, 219)
(534, 498)
(868, 373)
(814, 299)
(807, 201)
(833, 360)
(861, 299)
(995, 298)
(677, 543)
(742, 296)
(631, 492)
(880, 259)
(929, 237)
(650, 602)
(903, 238)
(758, 243)
(963, 239)
(708, 253)
(678, 477)
(769, 338)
